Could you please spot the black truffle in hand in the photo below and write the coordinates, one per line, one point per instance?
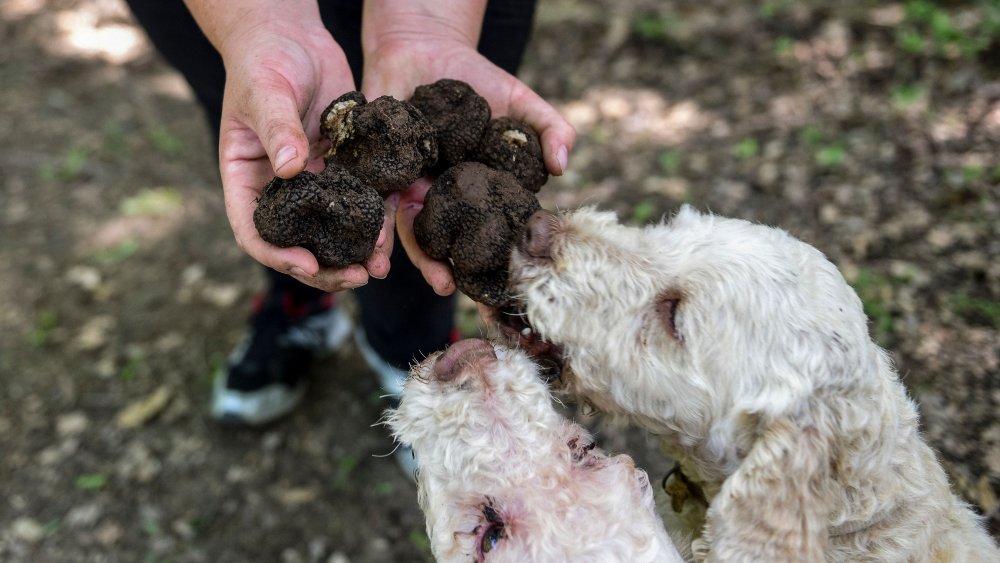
(386, 143)
(508, 144)
(331, 214)
(471, 217)
(458, 116)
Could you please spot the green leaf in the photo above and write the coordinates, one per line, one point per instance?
(643, 212)
(746, 148)
(91, 481)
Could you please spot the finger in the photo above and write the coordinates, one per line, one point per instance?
(336, 279)
(437, 274)
(378, 263)
(273, 113)
(557, 135)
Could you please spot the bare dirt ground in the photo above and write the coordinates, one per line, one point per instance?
(869, 129)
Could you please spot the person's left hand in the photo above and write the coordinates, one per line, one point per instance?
(401, 64)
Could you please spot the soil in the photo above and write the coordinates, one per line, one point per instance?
(121, 288)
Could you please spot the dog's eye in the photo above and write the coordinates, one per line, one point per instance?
(491, 538)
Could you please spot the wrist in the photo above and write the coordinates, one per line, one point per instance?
(231, 24)
(388, 23)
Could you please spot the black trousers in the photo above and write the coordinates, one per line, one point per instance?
(402, 317)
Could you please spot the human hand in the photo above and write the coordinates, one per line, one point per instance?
(281, 75)
(403, 61)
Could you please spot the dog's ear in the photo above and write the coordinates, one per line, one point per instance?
(775, 506)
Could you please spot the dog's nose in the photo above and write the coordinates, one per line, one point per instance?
(537, 237)
(459, 355)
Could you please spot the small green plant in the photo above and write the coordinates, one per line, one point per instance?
(871, 287)
(165, 142)
(383, 489)
(91, 481)
(45, 323)
(976, 308)
(418, 538)
(831, 156)
(67, 168)
(652, 26)
(928, 29)
(670, 162)
(907, 95)
(783, 46)
(972, 173)
(773, 8)
(116, 253)
(342, 474)
(811, 135)
(151, 526)
(746, 148)
(134, 363)
(52, 527)
(643, 212)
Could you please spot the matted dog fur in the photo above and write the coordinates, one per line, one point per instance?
(504, 478)
(746, 351)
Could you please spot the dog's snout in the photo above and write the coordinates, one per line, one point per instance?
(537, 238)
(459, 355)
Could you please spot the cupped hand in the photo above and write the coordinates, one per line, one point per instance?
(277, 80)
(397, 67)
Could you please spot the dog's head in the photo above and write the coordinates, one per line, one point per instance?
(682, 322)
(504, 477)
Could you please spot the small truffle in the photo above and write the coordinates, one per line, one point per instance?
(471, 217)
(331, 214)
(386, 143)
(508, 144)
(458, 116)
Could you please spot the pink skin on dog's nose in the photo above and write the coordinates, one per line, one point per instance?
(459, 355)
(538, 234)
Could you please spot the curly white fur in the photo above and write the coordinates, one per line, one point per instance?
(500, 469)
(748, 353)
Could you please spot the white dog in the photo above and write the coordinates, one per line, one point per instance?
(746, 351)
(504, 478)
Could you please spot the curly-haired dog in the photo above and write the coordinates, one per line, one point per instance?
(504, 478)
(746, 351)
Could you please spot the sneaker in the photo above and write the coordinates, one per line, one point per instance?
(263, 377)
(391, 379)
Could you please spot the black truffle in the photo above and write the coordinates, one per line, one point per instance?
(513, 146)
(386, 143)
(458, 116)
(471, 217)
(331, 214)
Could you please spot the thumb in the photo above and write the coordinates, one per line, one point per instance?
(274, 116)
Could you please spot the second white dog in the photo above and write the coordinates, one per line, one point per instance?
(504, 478)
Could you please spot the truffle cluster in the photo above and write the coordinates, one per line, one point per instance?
(471, 216)
(331, 214)
(488, 170)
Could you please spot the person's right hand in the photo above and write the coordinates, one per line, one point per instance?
(279, 76)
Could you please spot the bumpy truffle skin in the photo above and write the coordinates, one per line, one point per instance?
(458, 116)
(331, 214)
(471, 217)
(386, 142)
(511, 145)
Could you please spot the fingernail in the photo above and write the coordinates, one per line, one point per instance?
(562, 155)
(296, 271)
(285, 155)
